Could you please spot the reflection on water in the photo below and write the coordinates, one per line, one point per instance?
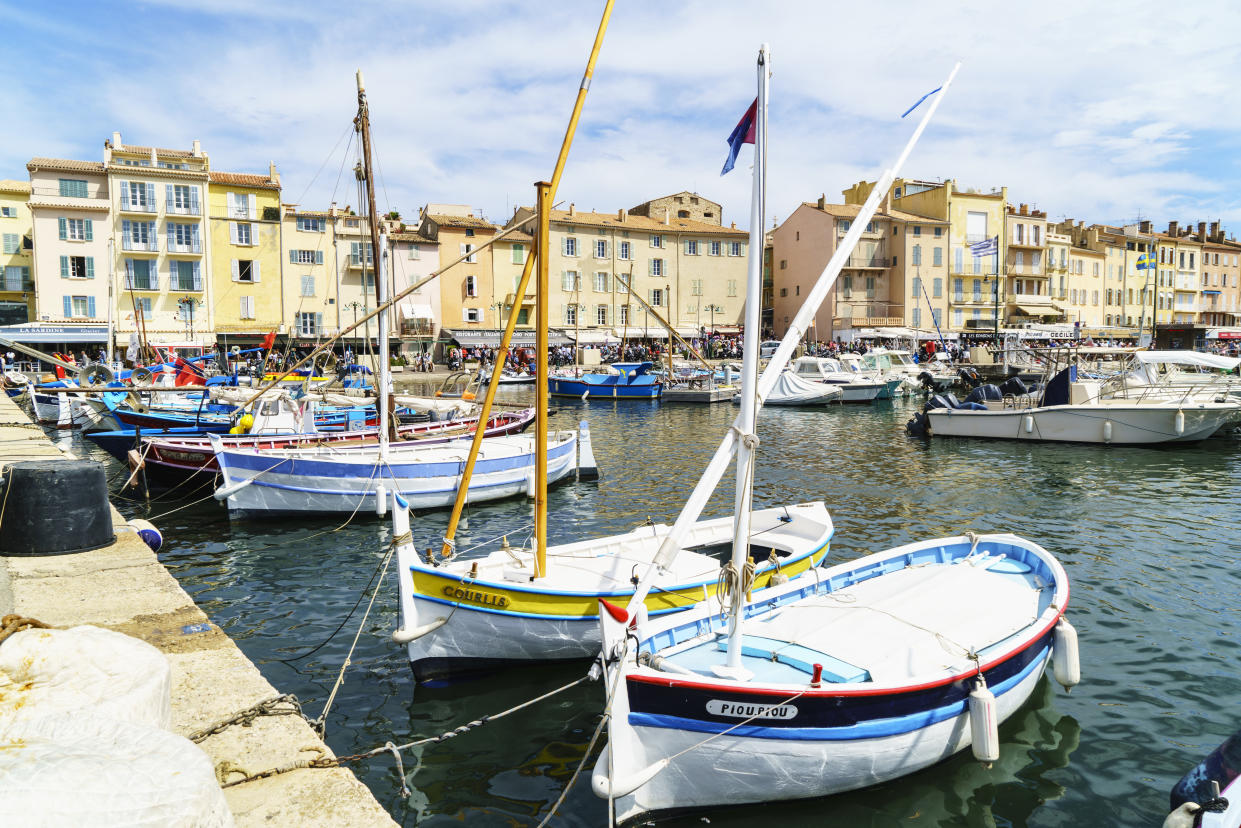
(1149, 538)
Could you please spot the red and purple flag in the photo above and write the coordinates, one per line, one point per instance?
(743, 133)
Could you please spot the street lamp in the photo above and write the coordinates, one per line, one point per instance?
(186, 307)
(712, 310)
(355, 307)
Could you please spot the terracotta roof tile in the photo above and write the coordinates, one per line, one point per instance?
(460, 221)
(10, 185)
(64, 164)
(243, 180)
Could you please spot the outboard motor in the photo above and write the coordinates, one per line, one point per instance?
(969, 377)
(942, 401)
(918, 425)
(927, 381)
(983, 393)
(1014, 387)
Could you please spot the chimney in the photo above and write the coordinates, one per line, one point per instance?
(572, 209)
(1215, 228)
(620, 215)
(154, 160)
(732, 225)
(196, 148)
(823, 201)
(332, 210)
(1144, 226)
(116, 141)
(1024, 210)
(272, 175)
(1202, 231)
(667, 215)
(1173, 227)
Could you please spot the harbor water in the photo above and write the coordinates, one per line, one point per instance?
(1150, 539)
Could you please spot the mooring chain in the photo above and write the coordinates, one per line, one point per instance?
(245, 718)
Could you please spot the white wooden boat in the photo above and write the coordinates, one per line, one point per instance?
(828, 370)
(470, 614)
(1072, 410)
(331, 479)
(52, 407)
(862, 674)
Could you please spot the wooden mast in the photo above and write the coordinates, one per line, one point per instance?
(363, 123)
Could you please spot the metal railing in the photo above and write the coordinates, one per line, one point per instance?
(173, 208)
(130, 207)
(147, 283)
(187, 285)
(149, 246)
(876, 262)
(186, 247)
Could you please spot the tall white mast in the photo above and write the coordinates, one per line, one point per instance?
(745, 424)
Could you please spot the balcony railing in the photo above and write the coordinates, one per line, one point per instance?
(149, 246)
(173, 208)
(417, 327)
(873, 262)
(186, 247)
(985, 267)
(7, 283)
(975, 238)
(186, 285)
(1030, 298)
(142, 283)
(130, 207)
(355, 260)
(242, 214)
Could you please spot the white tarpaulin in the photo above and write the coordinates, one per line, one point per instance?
(791, 389)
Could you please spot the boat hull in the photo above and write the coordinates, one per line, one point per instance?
(298, 482)
(1106, 424)
(569, 387)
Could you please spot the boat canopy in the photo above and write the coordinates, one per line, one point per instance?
(1196, 358)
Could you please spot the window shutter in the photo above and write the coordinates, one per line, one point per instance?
(151, 195)
(90, 306)
(253, 211)
(198, 277)
(90, 267)
(129, 273)
(168, 202)
(64, 267)
(319, 257)
(194, 200)
(64, 232)
(172, 236)
(194, 236)
(255, 270)
(236, 271)
(318, 322)
(125, 228)
(232, 232)
(124, 194)
(650, 267)
(90, 232)
(292, 257)
(68, 305)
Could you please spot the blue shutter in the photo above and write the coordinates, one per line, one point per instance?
(292, 257)
(960, 257)
(68, 305)
(194, 237)
(90, 267)
(198, 277)
(64, 267)
(90, 232)
(151, 195)
(318, 257)
(152, 235)
(90, 306)
(124, 232)
(124, 195)
(194, 200)
(64, 232)
(171, 230)
(169, 202)
(318, 323)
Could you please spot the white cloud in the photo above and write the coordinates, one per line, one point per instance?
(1081, 110)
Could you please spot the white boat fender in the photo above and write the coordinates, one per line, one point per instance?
(225, 492)
(606, 788)
(1179, 422)
(381, 500)
(1029, 423)
(1107, 431)
(146, 530)
(1186, 816)
(587, 469)
(404, 636)
(984, 724)
(1066, 660)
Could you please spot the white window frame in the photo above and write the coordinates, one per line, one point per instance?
(570, 246)
(601, 314)
(472, 315)
(311, 283)
(471, 286)
(601, 248)
(657, 241)
(624, 251)
(75, 229)
(247, 307)
(600, 281)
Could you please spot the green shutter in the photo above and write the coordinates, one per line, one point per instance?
(292, 257)
(64, 267)
(90, 233)
(64, 232)
(319, 257)
(90, 267)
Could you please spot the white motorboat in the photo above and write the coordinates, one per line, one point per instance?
(52, 407)
(792, 390)
(828, 370)
(893, 384)
(1076, 411)
(1175, 375)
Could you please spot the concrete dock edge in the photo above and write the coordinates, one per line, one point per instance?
(124, 587)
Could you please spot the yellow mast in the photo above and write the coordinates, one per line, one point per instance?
(502, 353)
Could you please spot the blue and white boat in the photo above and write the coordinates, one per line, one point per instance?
(631, 381)
(868, 671)
(332, 479)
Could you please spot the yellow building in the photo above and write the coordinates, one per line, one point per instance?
(972, 216)
(245, 261)
(468, 306)
(17, 299)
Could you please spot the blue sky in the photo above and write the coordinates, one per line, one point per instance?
(1099, 111)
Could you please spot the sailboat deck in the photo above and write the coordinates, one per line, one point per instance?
(914, 623)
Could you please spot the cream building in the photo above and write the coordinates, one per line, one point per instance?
(688, 271)
(161, 256)
(246, 256)
(1027, 283)
(17, 300)
(468, 308)
(1221, 276)
(70, 214)
(308, 261)
(413, 259)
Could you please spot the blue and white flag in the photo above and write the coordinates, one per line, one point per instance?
(743, 133)
(920, 100)
(987, 247)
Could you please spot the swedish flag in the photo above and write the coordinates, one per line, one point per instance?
(1146, 262)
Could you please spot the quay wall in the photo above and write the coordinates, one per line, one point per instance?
(124, 587)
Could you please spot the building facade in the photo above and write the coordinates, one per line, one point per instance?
(246, 258)
(467, 297)
(17, 298)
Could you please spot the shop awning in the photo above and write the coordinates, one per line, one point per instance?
(1037, 310)
(593, 336)
(490, 338)
(55, 333)
(413, 310)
